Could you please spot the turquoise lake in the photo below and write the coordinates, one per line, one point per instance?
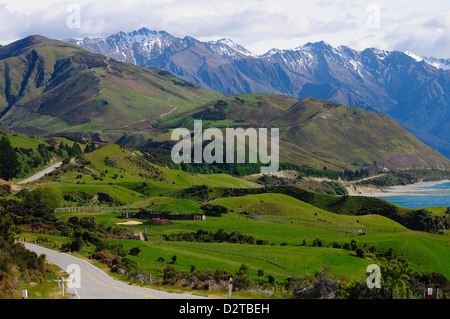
(437, 195)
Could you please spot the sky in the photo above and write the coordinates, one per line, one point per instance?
(421, 27)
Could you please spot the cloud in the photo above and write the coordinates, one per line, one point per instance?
(428, 38)
(259, 25)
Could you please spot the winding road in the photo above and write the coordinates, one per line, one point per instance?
(94, 283)
(41, 173)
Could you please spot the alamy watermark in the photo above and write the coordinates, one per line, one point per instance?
(74, 281)
(374, 279)
(190, 148)
(374, 16)
(73, 21)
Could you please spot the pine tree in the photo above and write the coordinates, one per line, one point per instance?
(9, 164)
(88, 148)
(76, 150)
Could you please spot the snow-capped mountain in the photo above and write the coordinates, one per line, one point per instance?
(411, 89)
(438, 63)
(133, 47)
(227, 47)
(142, 46)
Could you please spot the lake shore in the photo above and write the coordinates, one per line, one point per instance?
(417, 189)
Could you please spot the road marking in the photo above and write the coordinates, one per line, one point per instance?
(110, 286)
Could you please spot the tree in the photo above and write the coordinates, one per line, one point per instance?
(76, 245)
(174, 259)
(9, 164)
(76, 150)
(46, 195)
(214, 210)
(395, 278)
(135, 251)
(242, 279)
(88, 148)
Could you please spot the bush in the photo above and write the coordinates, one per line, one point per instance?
(317, 242)
(134, 251)
(360, 253)
(75, 245)
(214, 210)
(172, 276)
(46, 195)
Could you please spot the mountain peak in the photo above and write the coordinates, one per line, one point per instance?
(310, 46)
(140, 34)
(231, 44)
(27, 45)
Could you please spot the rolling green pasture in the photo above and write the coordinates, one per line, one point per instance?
(285, 252)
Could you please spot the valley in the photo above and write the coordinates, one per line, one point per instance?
(280, 236)
(268, 238)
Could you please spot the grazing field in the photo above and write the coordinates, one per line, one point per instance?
(276, 233)
(426, 252)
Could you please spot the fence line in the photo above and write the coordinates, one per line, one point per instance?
(201, 246)
(101, 209)
(314, 223)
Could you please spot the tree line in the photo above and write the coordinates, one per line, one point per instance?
(17, 162)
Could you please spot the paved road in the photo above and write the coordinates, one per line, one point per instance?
(41, 173)
(96, 284)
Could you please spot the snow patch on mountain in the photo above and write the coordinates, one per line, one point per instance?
(228, 47)
(443, 64)
(412, 55)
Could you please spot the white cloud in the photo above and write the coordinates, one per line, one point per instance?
(430, 37)
(417, 26)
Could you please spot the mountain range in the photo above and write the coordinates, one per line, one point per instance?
(49, 86)
(413, 90)
(53, 88)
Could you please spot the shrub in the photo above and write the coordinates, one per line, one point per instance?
(360, 252)
(317, 242)
(46, 195)
(76, 245)
(134, 251)
(214, 210)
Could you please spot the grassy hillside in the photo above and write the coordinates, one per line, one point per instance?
(285, 252)
(347, 205)
(295, 233)
(49, 86)
(354, 135)
(315, 133)
(127, 177)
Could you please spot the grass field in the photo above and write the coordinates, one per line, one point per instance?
(426, 252)
(286, 225)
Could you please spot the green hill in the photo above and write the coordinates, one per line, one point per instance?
(48, 86)
(127, 177)
(316, 133)
(354, 135)
(421, 220)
